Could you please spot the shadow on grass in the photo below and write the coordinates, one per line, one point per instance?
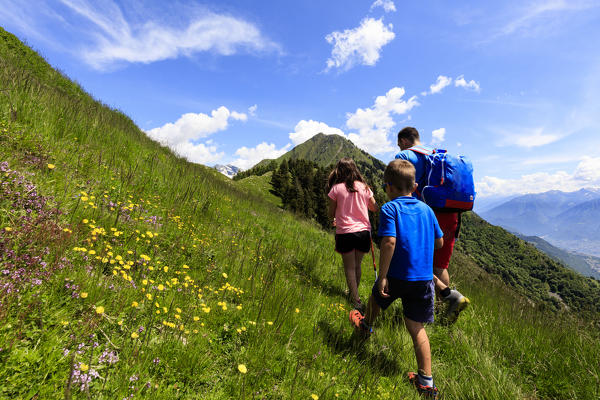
(340, 343)
(306, 271)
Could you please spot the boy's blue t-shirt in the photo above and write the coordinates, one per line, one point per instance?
(415, 228)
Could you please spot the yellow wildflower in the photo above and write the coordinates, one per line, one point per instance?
(242, 368)
(51, 166)
(134, 335)
(99, 310)
(83, 367)
(83, 295)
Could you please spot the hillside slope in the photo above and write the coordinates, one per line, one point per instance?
(129, 272)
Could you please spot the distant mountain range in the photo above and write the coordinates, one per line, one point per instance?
(228, 170)
(570, 220)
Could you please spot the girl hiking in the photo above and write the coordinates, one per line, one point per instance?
(350, 198)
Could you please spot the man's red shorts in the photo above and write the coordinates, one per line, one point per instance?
(448, 223)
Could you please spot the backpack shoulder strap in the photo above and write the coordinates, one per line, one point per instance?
(422, 150)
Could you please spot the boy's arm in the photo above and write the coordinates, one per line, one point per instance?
(439, 243)
(386, 252)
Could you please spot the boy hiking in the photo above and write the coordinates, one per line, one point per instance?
(350, 199)
(408, 139)
(409, 232)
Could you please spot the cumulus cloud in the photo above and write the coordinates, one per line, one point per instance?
(304, 130)
(387, 5)
(120, 39)
(361, 45)
(585, 175)
(470, 85)
(248, 157)
(439, 85)
(438, 136)
(252, 110)
(183, 135)
(374, 123)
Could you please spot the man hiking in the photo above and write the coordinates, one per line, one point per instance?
(413, 151)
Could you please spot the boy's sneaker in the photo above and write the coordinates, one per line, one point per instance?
(429, 392)
(360, 307)
(358, 321)
(456, 303)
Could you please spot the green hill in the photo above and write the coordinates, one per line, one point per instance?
(326, 150)
(578, 262)
(127, 272)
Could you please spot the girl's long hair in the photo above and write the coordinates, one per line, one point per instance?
(346, 172)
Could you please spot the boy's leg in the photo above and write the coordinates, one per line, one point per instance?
(372, 311)
(421, 344)
(350, 271)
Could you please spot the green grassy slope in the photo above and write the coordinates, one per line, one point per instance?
(164, 278)
(577, 262)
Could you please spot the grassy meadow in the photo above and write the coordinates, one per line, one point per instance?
(127, 272)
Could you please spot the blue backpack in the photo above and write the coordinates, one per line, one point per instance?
(447, 183)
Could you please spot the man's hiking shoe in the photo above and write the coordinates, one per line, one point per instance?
(358, 321)
(456, 303)
(429, 392)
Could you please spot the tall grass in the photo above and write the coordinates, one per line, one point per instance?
(234, 281)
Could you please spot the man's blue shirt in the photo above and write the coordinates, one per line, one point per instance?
(416, 159)
(415, 228)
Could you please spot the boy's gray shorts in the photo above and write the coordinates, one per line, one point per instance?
(417, 298)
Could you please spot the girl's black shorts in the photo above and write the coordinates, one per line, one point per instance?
(346, 242)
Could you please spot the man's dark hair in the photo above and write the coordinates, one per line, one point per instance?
(409, 133)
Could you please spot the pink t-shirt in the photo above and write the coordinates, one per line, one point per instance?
(351, 213)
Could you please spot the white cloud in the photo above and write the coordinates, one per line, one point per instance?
(118, 39)
(374, 124)
(439, 85)
(304, 130)
(199, 153)
(248, 157)
(183, 135)
(438, 136)
(360, 45)
(585, 175)
(471, 85)
(542, 16)
(252, 110)
(528, 138)
(387, 5)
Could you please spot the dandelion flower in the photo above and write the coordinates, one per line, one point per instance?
(83, 295)
(270, 323)
(83, 367)
(134, 335)
(196, 318)
(161, 287)
(134, 304)
(314, 397)
(225, 275)
(51, 166)
(8, 229)
(99, 310)
(242, 368)
(65, 323)
(297, 310)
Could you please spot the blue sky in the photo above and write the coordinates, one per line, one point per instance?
(513, 84)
